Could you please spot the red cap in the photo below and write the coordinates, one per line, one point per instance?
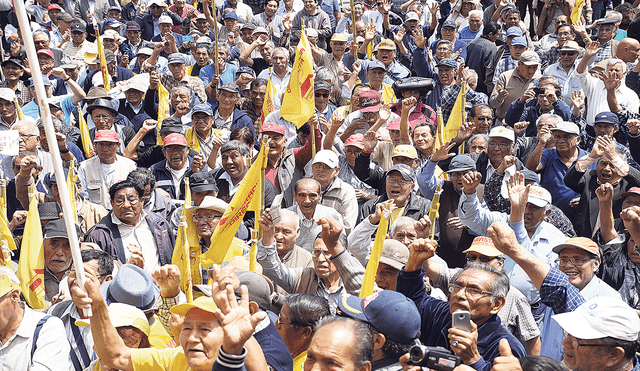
(272, 127)
(416, 121)
(370, 101)
(394, 124)
(46, 52)
(54, 6)
(106, 136)
(356, 140)
(175, 139)
(631, 191)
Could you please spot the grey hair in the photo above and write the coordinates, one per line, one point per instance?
(323, 73)
(181, 87)
(295, 188)
(39, 32)
(226, 47)
(280, 49)
(401, 222)
(57, 124)
(476, 11)
(363, 337)
(498, 287)
(236, 145)
(473, 73)
(33, 129)
(546, 116)
(270, 43)
(477, 136)
(307, 309)
(613, 61)
(292, 215)
(449, 44)
(24, 154)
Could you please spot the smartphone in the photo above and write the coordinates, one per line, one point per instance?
(187, 38)
(462, 320)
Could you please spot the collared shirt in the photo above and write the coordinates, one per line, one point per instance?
(22, 92)
(69, 317)
(504, 65)
(221, 122)
(169, 82)
(140, 235)
(568, 81)
(596, 93)
(515, 85)
(604, 54)
(280, 84)
(232, 188)
(74, 51)
(206, 145)
(276, 21)
(552, 178)
(309, 228)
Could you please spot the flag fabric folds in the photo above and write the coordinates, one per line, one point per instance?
(181, 259)
(163, 109)
(72, 177)
(298, 103)
(269, 103)
(103, 62)
(5, 234)
(87, 144)
(31, 266)
(18, 109)
(374, 260)
(576, 12)
(456, 118)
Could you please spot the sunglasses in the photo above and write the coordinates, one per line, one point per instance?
(323, 95)
(568, 53)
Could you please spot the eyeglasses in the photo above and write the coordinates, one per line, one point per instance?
(398, 181)
(482, 258)
(101, 117)
(26, 136)
(577, 262)
(470, 291)
(575, 343)
(568, 53)
(316, 253)
(564, 137)
(206, 218)
(500, 145)
(323, 95)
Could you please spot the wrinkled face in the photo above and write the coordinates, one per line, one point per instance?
(201, 337)
(512, 20)
(57, 255)
(479, 305)
(387, 277)
(265, 52)
(131, 336)
(618, 71)
(580, 273)
(320, 255)
(603, 128)
(527, 72)
(447, 75)
(386, 56)
(517, 50)
(178, 70)
(176, 156)
(233, 163)
(246, 35)
(279, 60)
(257, 95)
(46, 63)
(606, 172)
(376, 76)
(395, 137)
(227, 99)
(27, 141)
(579, 356)
(165, 28)
(103, 118)
(270, 8)
(361, 29)
(322, 98)
(478, 145)
(134, 96)
(276, 144)
(206, 222)
(565, 141)
(355, 97)
(115, 14)
(411, 162)
(448, 33)
(443, 51)
(156, 10)
(338, 47)
(475, 22)
(606, 32)
(181, 101)
(289, 331)
(533, 216)
(358, 11)
(106, 151)
(456, 179)
(307, 197)
(398, 189)
(127, 205)
(568, 58)
(323, 173)
(563, 35)
(7, 110)
(547, 99)
(41, 41)
(202, 25)
(12, 72)
(351, 152)
(411, 25)
(497, 148)
(202, 122)
(79, 36)
(230, 23)
(405, 234)
(198, 197)
(631, 51)
(483, 120)
(285, 234)
(202, 57)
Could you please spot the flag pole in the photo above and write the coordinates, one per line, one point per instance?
(313, 137)
(216, 65)
(45, 114)
(353, 20)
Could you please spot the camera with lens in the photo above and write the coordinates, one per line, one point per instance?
(434, 358)
(538, 90)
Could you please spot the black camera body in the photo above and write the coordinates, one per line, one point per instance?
(434, 358)
(538, 90)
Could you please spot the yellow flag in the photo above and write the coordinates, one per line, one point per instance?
(5, 233)
(372, 266)
(18, 109)
(244, 200)
(72, 177)
(31, 266)
(103, 61)
(182, 260)
(456, 118)
(298, 103)
(269, 102)
(163, 109)
(576, 12)
(87, 144)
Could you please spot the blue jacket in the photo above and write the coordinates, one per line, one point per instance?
(518, 112)
(240, 119)
(164, 180)
(436, 322)
(146, 23)
(423, 69)
(107, 236)
(274, 349)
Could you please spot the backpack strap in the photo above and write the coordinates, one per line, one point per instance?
(36, 334)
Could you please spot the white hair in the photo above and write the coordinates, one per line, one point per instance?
(33, 128)
(613, 61)
(478, 12)
(292, 215)
(401, 222)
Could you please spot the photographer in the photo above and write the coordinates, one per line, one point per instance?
(548, 101)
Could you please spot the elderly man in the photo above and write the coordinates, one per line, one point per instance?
(444, 78)
(371, 115)
(130, 234)
(103, 115)
(565, 69)
(75, 47)
(28, 141)
(116, 73)
(29, 339)
(341, 339)
(595, 90)
(57, 257)
(177, 165)
(148, 21)
(100, 172)
(8, 113)
(500, 145)
(548, 100)
(335, 270)
(254, 102)
(178, 68)
(479, 289)
(13, 70)
(280, 73)
(226, 117)
(513, 84)
(517, 46)
(67, 103)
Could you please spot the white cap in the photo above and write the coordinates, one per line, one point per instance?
(138, 82)
(567, 127)
(7, 94)
(327, 157)
(110, 34)
(539, 196)
(165, 19)
(97, 80)
(502, 132)
(312, 33)
(599, 318)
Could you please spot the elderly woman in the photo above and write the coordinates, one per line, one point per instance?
(477, 143)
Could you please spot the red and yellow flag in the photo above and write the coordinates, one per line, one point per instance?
(103, 61)
(182, 260)
(369, 279)
(269, 103)
(298, 103)
(31, 266)
(247, 198)
(163, 109)
(87, 144)
(576, 12)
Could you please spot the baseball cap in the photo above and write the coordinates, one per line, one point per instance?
(106, 136)
(519, 41)
(405, 150)
(448, 62)
(514, 31)
(175, 139)
(502, 132)
(110, 22)
(356, 140)
(390, 312)
(78, 25)
(375, 64)
(321, 85)
(394, 254)
(245, 69)
(404, 170)
(122, 315)
(582, 243)
(6, 285)
(327, 157)
(567, 127)
(606, 118)
(230, 87)
(45, 81)
(530, 175)
(231, 15)
(631, 191)
(49, 211)
(246, 26)
(110, 35)
(386, 44)
(145, 51)
(202, 181)
(394, 124)
(204, 303)
(260, 30)
(65, 17)
(102, 103)
(569, 46)
(46, 52)
(7, 94)
(109, 57)
(210, 203)
(539, 196)
(202, 107)
(508, 7)
(312, 33)
(461, 163)
(370, 101)
(114, 7)
(483, 246)
(177, 58)
(599, 318)
(530, 58)
(57, 229)
(165, 19)
(54, 6)
(14, 61)
(272, 127)
(449, 23)
(339, 37)
(156, 2)
(412, 16)
(260, 288)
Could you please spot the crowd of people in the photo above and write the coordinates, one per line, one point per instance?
(509, 247)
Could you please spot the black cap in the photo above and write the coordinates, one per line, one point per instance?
(132, 26)
(171, 125)
(102, 103)
(230, 87)
(202, 181)
(78, 25)
(15, 61)
(49, 211)
(57, 229)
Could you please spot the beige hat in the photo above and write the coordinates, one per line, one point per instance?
(394, 254)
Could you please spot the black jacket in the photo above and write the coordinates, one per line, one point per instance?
(416, 207)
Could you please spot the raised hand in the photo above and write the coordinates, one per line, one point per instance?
(442, 153)
(544, 135)
(377, 215)
(471, 181)
(419, 251)
(268, 229)
(238, 324)
(465, 131)
(464, 344)
(610, 81)
(520, 127)
(507, 161)
(528, 94)
(384, 113)
(418, 37)
(591, 48)
(634, 126)
(506, 361)
(330, 234)
(518, 192)
(577, 99)
(357, 67)
(504, 238)
(502, 93)
(605, 192)
(386, 6)
(631, 218)
(423, 227)
(168, 278)
(370, 141)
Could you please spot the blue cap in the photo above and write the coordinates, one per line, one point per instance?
(449, 23)
(177, 58)
(448, 62)
(114, 7)
(606, 118)
(530, 175)
(132, 285)
(245, 69)
(514, 31)
(461, 163)
(519, 41)
(375, 64)
(110, 22)
(508, 7)
(45, 80)
(231, 15)
(390, 312)
(202, 107)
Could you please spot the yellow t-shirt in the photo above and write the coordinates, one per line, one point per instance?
(169, 359)
(159, 338)
(298, 362)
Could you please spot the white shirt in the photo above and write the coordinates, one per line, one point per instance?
(597, 96)
(176, 177)
(140, 235)
(279, 84)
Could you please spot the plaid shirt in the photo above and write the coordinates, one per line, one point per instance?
(169, 82)
(504, 65)
(449, 96)
(604, 54)
(558, 293)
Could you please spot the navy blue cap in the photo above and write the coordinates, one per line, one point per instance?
(449, 23)
(133, 26)
(606, 118)
(530, 175)
(177, 58)
(245, 69)
(375, 64)
(202, 107)
(448, 62)
(231, 15)
(322, 85)
(461, 163)
(110, 22)
(45, 80)
(390, 312)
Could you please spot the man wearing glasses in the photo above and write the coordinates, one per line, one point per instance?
(149, 21)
